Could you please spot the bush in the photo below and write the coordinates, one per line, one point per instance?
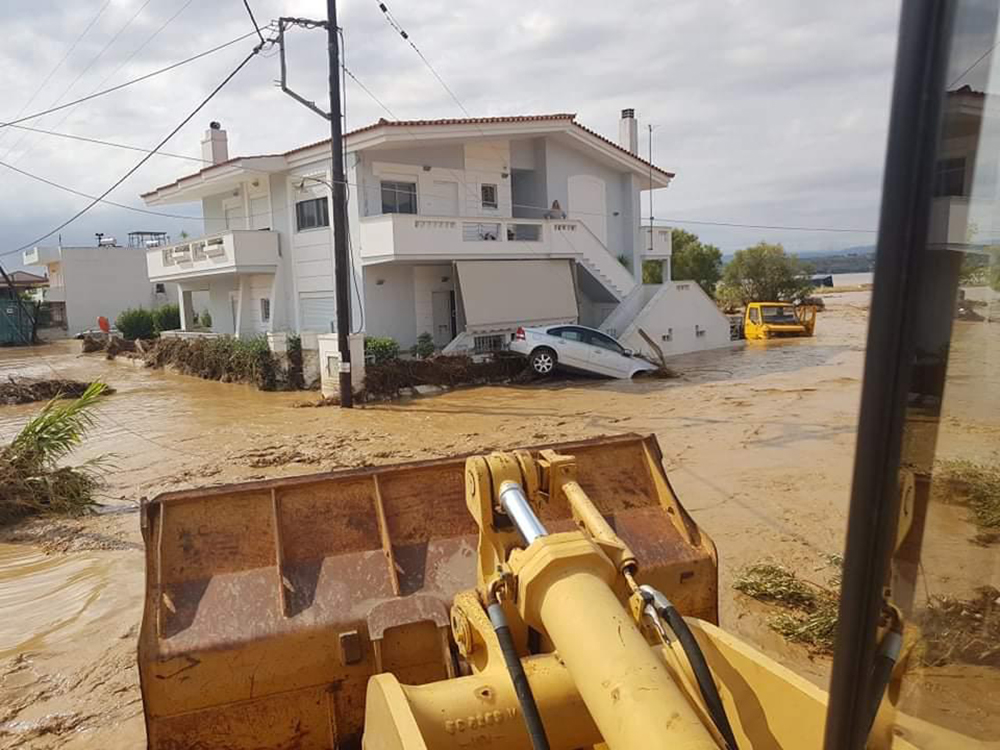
(425, 346)
(296, 378)
(136, 323)
(206, 319)
(166, 318)
(380, 349)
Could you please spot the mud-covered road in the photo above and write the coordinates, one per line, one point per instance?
(758, 442)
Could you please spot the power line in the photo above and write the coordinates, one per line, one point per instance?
(82, 73)
(969, 69)
(67, 189)
(844, 230)
(368, 91)
(253, 20)
(120, 86)
(406, 37)
(58, 65)
(144, 159)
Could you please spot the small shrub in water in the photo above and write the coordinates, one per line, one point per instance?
(167, 318)
(425, 346)
(381, 349)
(136, 323)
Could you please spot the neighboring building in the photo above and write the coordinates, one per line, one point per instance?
(453, 230)
(87, 282)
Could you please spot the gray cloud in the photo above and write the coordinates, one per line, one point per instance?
(770, 112)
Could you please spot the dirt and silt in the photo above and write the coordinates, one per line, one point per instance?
(758, 442)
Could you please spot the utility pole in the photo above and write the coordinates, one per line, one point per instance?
(338, 196)
(650, 126)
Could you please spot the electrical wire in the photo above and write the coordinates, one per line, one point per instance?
(80, 75)
(62, 60)
(246, 4)
(144, 159)
(67, 189)
(19, 119)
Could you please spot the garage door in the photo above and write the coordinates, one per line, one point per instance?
(318, 314)
(500, 295)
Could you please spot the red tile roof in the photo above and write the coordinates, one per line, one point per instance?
(570, 118)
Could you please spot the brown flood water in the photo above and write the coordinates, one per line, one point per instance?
(758, 441)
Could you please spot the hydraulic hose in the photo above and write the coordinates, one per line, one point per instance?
(529, 709)
(885, 662)
(713, 702)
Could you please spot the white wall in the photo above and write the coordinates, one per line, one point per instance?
(672, 317)
(426, 281)
(390, 305)
(562, 162)
(260, 287)
(104, 281)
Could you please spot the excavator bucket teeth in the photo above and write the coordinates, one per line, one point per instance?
(269, 604)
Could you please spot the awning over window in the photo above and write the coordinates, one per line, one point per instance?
(498, 295)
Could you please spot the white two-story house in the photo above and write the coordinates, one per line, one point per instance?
(462, 229)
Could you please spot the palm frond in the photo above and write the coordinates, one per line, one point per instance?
(57, 429)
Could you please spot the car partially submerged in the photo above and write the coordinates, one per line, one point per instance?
(577, 348)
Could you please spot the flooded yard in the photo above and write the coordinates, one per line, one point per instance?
(758, 441)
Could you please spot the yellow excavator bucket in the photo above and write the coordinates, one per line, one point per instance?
(270, 604)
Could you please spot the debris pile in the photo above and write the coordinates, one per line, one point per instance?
(29, 390)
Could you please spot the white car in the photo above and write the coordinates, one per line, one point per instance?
(578, 348)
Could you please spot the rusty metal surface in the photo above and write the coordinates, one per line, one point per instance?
(250, 587)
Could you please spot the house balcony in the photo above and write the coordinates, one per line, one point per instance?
(661, 246)
(229, 252)
(440, 239)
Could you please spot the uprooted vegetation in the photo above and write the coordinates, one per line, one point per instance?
(978, 486)
(386, 379)
(962, 630)
(808, 612)
(225, 358)
(30, 390)
(31, 480)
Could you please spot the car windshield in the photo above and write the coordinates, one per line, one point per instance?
(779, 314)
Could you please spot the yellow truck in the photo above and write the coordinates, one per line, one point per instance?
(770, 320)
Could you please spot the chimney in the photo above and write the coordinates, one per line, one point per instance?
(215, 145)
(628, 131)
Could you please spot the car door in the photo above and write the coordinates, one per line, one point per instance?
(606, 356)
(571, 346)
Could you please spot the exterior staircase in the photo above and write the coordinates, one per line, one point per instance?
(575, 237)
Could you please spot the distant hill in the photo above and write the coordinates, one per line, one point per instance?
(851, 260)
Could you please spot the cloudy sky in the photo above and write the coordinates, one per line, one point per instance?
(771, 112)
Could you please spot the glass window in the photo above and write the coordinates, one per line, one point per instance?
(399, 197)
(949, 177)
(570, 334)
(265, 310)
(605, 342)
(489, 195)
(755, 316)
(312, 214)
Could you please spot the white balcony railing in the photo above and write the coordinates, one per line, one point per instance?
(416, 237)
(233, 251)
(412, 237)
(661, 246)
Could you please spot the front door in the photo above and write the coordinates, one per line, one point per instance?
(588, 204)
(443, 311)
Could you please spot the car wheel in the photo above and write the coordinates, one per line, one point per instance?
(543, 361)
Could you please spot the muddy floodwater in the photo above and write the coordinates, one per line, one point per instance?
(758, 441)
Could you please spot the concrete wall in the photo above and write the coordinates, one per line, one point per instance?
(390, 305)
(104, 281)
(401, 307)
(426, 281)
(673, 318)
(562, 162)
